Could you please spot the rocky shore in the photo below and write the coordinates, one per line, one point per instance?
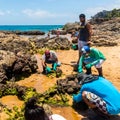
(18, 60)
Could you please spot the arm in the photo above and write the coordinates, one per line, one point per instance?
(97, 55)
(78, 97)
(43, 61)
(89, 30)
(80, 64)
(95, 62)
(91, 64)
(56, 61)
(78, 36)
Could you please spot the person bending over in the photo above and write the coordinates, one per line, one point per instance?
(100, 95)
(91, 57)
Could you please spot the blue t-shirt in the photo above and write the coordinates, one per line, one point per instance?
(105, 90)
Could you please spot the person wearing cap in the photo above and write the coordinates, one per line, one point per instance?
(85, 33)
(49, 57)
(99, 94)
(91, 57)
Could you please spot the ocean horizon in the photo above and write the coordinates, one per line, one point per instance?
(44, 28)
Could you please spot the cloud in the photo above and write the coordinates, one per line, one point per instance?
(41, 14)
(93, 11)
(7, 12)
(118, 1)
(38, 13)
(117, 4)
(1, 13)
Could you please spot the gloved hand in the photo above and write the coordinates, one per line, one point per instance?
(88, 66)
(54, 66)
(74, 46)
(73, 97)
(80, 70)
(48, 69)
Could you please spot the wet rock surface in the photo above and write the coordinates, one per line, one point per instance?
(14, 43)
(69, 85)
(52, 43)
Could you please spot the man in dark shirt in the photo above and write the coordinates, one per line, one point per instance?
(85, 32)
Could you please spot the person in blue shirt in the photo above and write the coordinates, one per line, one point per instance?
(99, 94)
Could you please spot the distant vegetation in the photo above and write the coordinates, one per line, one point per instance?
(105, 15)
(108, 14)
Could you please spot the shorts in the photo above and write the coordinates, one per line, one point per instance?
(97, 101)
(99, 64)
(81, 44)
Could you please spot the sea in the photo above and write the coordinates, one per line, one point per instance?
(44, 28)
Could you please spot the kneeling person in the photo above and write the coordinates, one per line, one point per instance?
(49, 57)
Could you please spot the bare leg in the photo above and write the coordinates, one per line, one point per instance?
(100, 71)
(87, 102)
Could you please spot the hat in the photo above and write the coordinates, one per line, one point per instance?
(47, 52)
(85, 49)
(84, 78)
(82, 15)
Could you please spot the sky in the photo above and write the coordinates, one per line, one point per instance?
(50, 12)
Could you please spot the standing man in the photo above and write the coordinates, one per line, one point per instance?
(85, 32)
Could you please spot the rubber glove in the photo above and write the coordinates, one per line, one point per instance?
(74, 98)
(88, 66)
(91, 64)
(80, 64)
(95, 62)
(54, 66)
(74, 46)
(80, 70)
(48, 69)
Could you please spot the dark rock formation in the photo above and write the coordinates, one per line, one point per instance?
(29, 32)
(52, 43)
(107, 33)
(34, 32)
(14, 43)
(12, 65)
(13, 89)
(61, 32)
(71, 27)
(68, 85)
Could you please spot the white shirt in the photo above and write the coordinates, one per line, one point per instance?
(57, 117)
(53, 56)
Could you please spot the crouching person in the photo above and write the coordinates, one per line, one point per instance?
(91, 57)
(49, 57)
(100, 95)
